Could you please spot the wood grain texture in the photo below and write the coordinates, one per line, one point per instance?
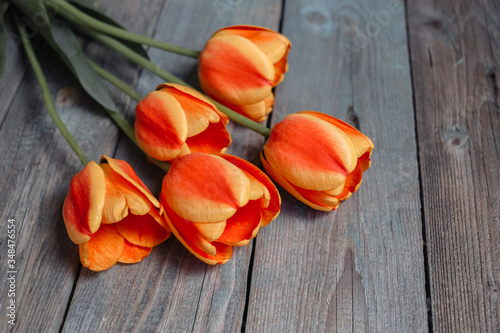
(360, 268)
(14, 70)
(37, 166)
(36, 160)
(171, 290)
(455, 51)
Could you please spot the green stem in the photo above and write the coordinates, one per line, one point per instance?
(138, 59)
(116, 82)
(46, 94)
(125, 126)
(118, 118)
(77, 16)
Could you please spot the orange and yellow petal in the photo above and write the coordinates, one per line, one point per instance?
(160, 125)
(289, 187)
(317, 162)
(178, 89)
(227, 59)
(214, 139)
(280, 68)
(257, 111)
(243, 225)
(83, 206)
(103, 250)
(199, 111)
(115, 204)
(320, 198)
(205, 188)
(272, 43)
(133, 253)
(190, 232)
(188, 236)
(142, 230)
(120, 173)
(353, 180)
(210, 231)
(272, 209)
(362, 143)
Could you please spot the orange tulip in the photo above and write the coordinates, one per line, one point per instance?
(214, 202)
(175, 120)
(240, 65)
(319, 159)
(111, 214)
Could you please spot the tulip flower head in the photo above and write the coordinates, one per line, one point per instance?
(319, 159)
(111, 214)
(214, 202)
(240, 65)
(176, 120)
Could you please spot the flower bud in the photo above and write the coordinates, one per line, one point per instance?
(215, 202)
(111, 215)
(176, 120)
(240, 65)
(319, 159)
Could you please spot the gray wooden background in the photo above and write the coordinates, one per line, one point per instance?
(417, 249)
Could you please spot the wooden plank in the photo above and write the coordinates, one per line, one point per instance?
(35, 162)
(171, 290)
(37, 166)
(455, 55)
(360, 268)
(14, 70)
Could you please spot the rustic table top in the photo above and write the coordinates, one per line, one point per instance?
(416, 249)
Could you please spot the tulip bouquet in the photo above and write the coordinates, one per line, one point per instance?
(113, 216)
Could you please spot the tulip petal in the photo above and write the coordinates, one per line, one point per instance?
(160, 219)
(362, 143)
(272, 43)
(319, 198)
(160, 125)
(272, 205)
(190, 232)
(120, 173)
(142, 230)
(257, 111)
(205, 188)
(199, 110)
(115, 204)
(214, 139)
(177, 89)
(316, 162)
(210, 231)
(104, 248)
(257, 189)
(281, 67)
(225, 60)
(243, 225)
(83, 206)
(353, 180)
(289, 187)
(189, 237)
(133, 253)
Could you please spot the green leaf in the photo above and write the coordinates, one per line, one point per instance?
(3, 37)
(91, 4)
(90, 8)
(60, 37)
(77, 61)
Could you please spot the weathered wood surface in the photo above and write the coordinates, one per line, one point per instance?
(455, 51)
(171, 290)
(359, 269)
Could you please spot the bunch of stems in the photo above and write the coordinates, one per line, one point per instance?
(108, 34)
